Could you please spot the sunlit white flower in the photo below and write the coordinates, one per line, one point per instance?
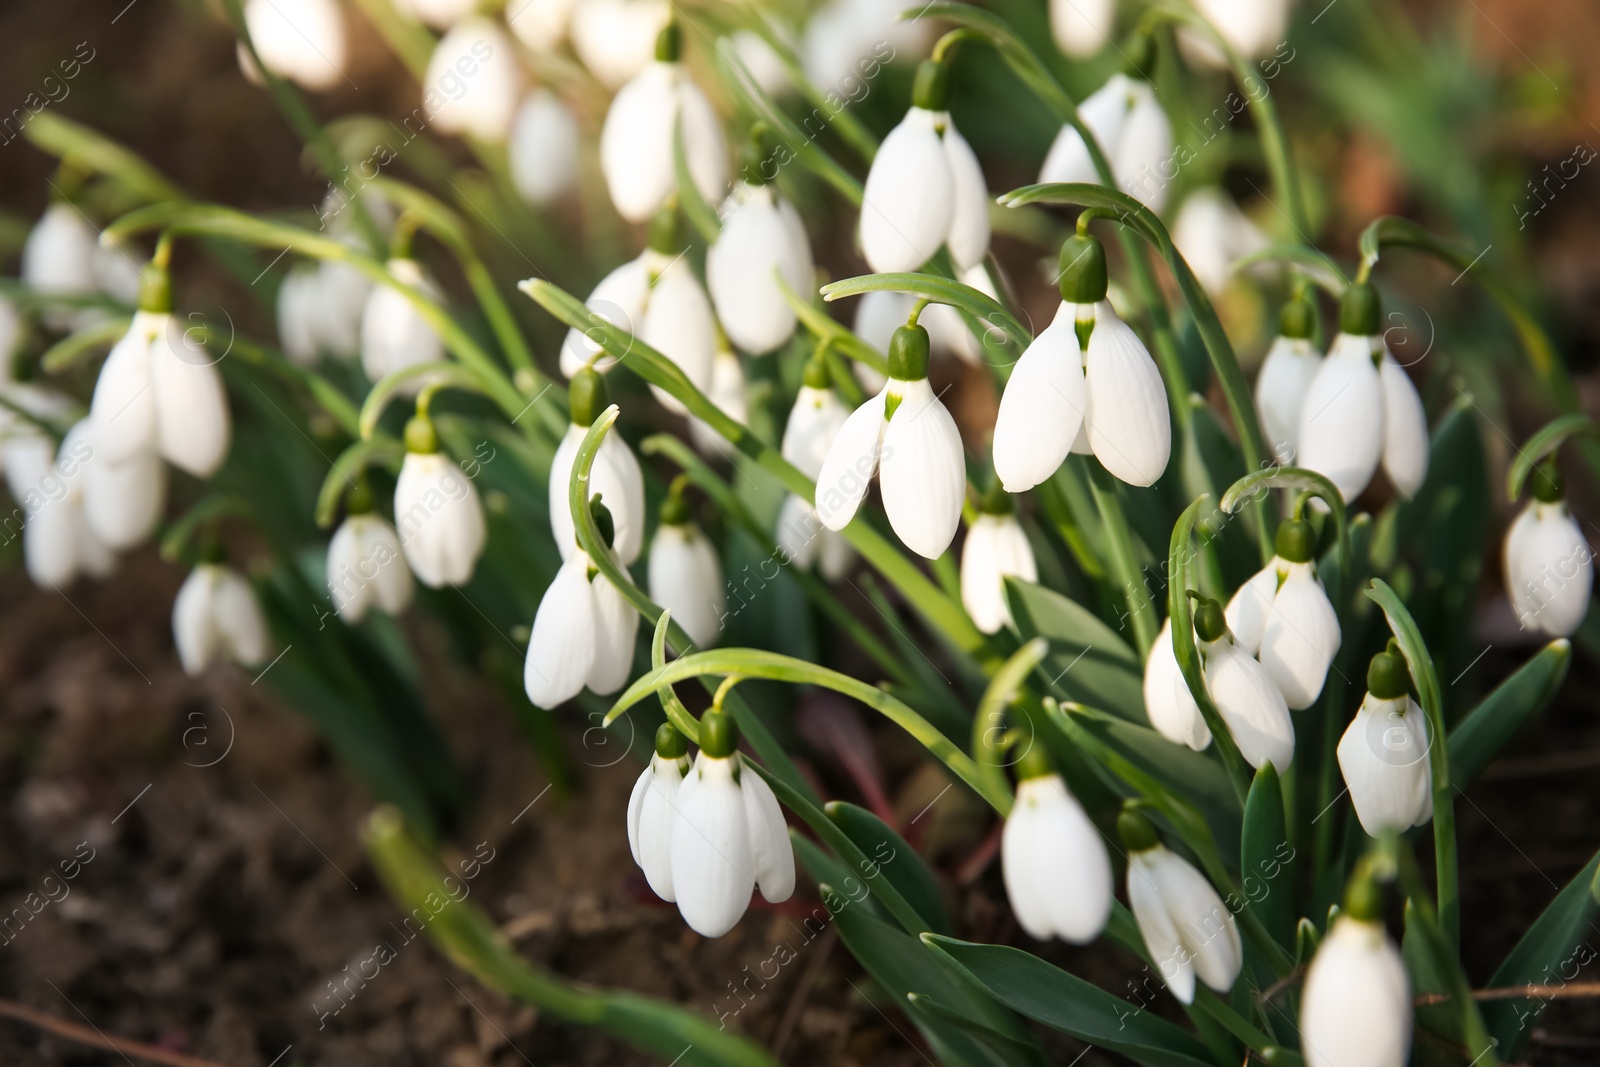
(806, 542)
(925, 188)
(653, 810)
(1135, 135)
(640, 131)
(217, 614)
(1548, 564)
(472, 83)
(343, 289)
(394, 335)
(686, 575)
(1384, 752)
(367, 568)
(949, 329)
(440, 14)
(1082, 28)
(1189, 931)
(996, 548)
(58, 259)
(1244, 693)
(729, 837)
(615, 475)
(880, 312)
(158, 392)
(1286, 374)
(437, 511)
(616, 39)
(540, 24)
(762, 62)
(1213, 234)
(302, 40)
(1355, 1006)
(727, 393)
(26, 450)
(58, 544)
(847, 43)
(544, 148)
(906, 436)
(1251, 27)
(298, 307)
(1283, 616)
(583, 635)
(1361, 408)
(762, 240)
(1057, 873)
(814, 421)
(122, 502)
(1168, 702)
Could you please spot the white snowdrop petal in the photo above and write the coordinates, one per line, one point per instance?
(1082, 28)
(968, 239)
(1129, 423)
(686, 579)
(1405, 429)
(394, 335)
(923, 471)
(678, 323)
(1341, 422)
(1252, 27)
(122, 502)
(799, 532)
(439, 518)
(1383, 756)
(616, 476)
(58, 256)
(1355, 1006)
(473, 72)
(616, 624)
(1251, 705)
(124, 403)
(1549, 569)
(704, 147)
(1301, 638)
(770, 851)
(192, 421)
(851, 461)
(636, 153)
(303, 40)
(658, 817)
(561, 650)
(813, 423)
(712, 866)
(296, 315)
(352, 594)
(544, 147)
(193, 629)
(1157, 926)
(996, 547)
(236, 614)
(619, 299)
(743, 266)
(616, 39)
(1281, 387)
(1020, 851)
(641, 786)
(1072, 866)
(540, 24)
(1104, 111)
(1143, 156)
(1167, 701)
(380, 553)
(909, 197)
(1251, 605)
(1041, 410)
(1205, 925)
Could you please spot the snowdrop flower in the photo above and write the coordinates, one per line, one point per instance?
(1250, 27)
(302, 40)
(544, 148)
(729, 837)
(925, 188)
(727, 394)
(394, 335)
(1186, 927)
(1213, 234)
(1167, 700)
(615, 475)
(122, 502)
(217, 614)
(1361, 408)
(58, 259)
(685, 573)
(159, 393)
(298, 300)
(473, 77)
(1549, 567)
(437, 511)
(1081, 28)
(762, 240)
(996, 547)
(814, 421)
(366, 565)
(1384, 751)
(583, 633)
(764, 64)
(26, 450)
(653, 809)
(616, 39)
(906, 434)
(58, 544)
(847, 42)
(641, 128)
(1284, 617)
(343, 289)
(1355, 1007)
(1057, 873)
(1087, 371)
(440, 14)
(540, 24)
(1285, 378)
(1135, 135)
(1244, 693)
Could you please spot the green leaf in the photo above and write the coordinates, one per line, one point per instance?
(1067, 1003)
(826, 869)
(1262, 862)
(701, 215)
(1550, 953)
(1002, 1050)
(1478, 738)
(1088, 661)
(962, 297)
(899, 862)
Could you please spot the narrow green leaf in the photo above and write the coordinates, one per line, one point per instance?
(701, 215)
(1088, 661)
(1267, 858)
(894, 856)
(1549, 438)
(1003, 1051)
(958, 295)
(1478, 738)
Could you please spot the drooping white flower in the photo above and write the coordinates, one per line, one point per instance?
(1355, 1007)
(762, 240)
(26, 450)
(302, 40)
(1244, 693)
(1361, 408)
(846, 43)
(727, 393)
(814, 421)
(159, 393)
(1167, 700)
(996, 547)
(949, 329)
(1548, 564)
(764, 64)
(440, 14)
(906, 436)
(298, 307)
(1135, 135)
(619, 299)
(1251, 27)
(686, 575)
(394, 335)
(1082, 28)
(729, 837)
(1213, 234)
(881, 311)
(616, 39)
(544, 148)
(437, 511)
(925, 189)
(806, 542)
(217, 614)
(653, 810)
(1285, 378)
(583, 633)
(1384, 752)
(1057, 873)
(343, 289)
(540, 24)
(1189, 931)
(1283, 616)
(58, 259)
(472, 83)
(58, 543)
(1042, 407)
(615, 475)
(640, 130)
(122, 502)
(367, 568)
